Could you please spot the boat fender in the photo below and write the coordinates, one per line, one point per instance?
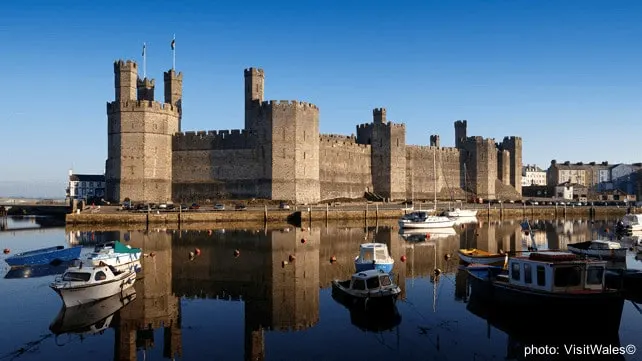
(292, 258)
(403, 258)
(437, 271)
(284, 263)
(302, 240)
(197, 251)
(191, 256)
(427, 235)
(237, 253)
(7, 251)
(333, 259)
(447, 256)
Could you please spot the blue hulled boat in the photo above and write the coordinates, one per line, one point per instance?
(373, 256)
(50, 255)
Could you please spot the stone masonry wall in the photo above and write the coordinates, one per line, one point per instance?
(344, 167)
(420, 180)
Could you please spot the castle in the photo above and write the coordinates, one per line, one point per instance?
(281, 155)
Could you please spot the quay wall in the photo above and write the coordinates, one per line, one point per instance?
(305, 216)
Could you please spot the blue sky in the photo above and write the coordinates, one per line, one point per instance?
(564, 75)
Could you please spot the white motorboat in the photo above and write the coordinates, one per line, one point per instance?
(630, 223)
(458, 212)
(84, 284)
(116, 254)
(423, 220)
(599, 249)
(372, 286)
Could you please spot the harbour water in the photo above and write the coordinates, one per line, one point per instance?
(263, 293)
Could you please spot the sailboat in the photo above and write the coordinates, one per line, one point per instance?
(463, 213)
(422, 219)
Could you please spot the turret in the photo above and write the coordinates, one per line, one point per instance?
(254, 82)
(125, 76)
(460, 133)
(434, 140)
(379, 115)
(174, 92)
(145, 89)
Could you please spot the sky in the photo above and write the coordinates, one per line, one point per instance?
(563, 75)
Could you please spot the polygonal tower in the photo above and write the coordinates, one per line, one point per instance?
(254, 90)
(139, 150)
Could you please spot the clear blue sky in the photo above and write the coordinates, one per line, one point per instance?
(564, 75)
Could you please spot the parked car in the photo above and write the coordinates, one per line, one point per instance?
(194, 206)
(284, 205)
(219, 207)
(240, 207)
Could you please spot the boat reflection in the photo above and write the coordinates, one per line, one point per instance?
(91, 318)
(384, 317)
(528, 331)
(423, 235)
(37, 271)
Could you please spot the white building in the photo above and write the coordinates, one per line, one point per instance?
(85, 186)
(533, 175)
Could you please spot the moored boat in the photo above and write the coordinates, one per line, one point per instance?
(91, 317)
(598, 248)
(550, 283)
(630, 223)
(370, 288)
(424, 221)
(478, 256)
(116, 254)
(84, 284)
(374, 256)
(43, 256)
(37, 271)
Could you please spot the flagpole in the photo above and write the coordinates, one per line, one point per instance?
(174, 53)
(144, 60)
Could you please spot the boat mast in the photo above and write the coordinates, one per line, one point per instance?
(434, 170)
(434, 284)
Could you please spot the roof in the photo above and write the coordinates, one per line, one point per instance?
(87, 177)
(569, 184)
(373, 245)
(368, 274)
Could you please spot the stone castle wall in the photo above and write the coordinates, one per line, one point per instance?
(344, 167)
(281, 155)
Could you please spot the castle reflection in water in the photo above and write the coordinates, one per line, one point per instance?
(278, 272)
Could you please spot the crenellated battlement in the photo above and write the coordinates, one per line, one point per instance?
(172, 74)
(254, 71)
(341, 140)
(214, 140)
(396, 125)
(141, 106)
(146, 83)
(288, 103)
(512, 140)
(448, 150)
(121, 64)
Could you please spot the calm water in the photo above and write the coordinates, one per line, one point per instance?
(253, 307)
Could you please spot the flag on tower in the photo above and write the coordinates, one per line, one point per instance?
(173, 44)
(144, 48)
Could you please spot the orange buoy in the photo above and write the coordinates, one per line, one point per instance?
(302, 240)
(291, 258)
(237, 253)
(6, 251)
(333, 259)
(606, 230)
(427, 235)
(403, 258)
(209, 232)
(197, 251)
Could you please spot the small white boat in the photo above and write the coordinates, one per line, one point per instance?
(598, 248)
(458, 212)
(478, 256)
(423, 220)
(630, 223)
(374, 256)
(80, 284)
(115, 254)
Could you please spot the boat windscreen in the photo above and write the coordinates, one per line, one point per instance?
(367, 254)
(381, 254)
(76, 276)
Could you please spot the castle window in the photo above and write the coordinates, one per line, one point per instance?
(397, 142)
(304, 135)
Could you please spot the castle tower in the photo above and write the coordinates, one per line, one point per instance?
(388, 154)
(174, 92)
(514, 146)
(139, 150)
(254, 83)
(460, 133)
(125, 76)
(379, 115)
(434, 140)
(145, 89)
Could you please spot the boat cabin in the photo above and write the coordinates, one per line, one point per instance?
(373, 253)
(370, 280)
(632, 220)
(88, 274)
(559, 272)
